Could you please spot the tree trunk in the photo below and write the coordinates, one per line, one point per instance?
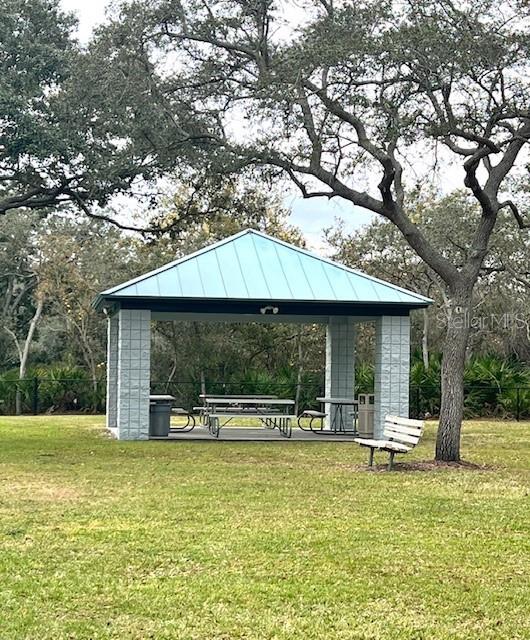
(171, 373)
(24, 355)
(203, 387)
(90, 361)
(453, 364)
(300, 364)
(94, 377)
(425, 339)
(18, 402)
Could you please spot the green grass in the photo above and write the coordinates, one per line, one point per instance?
(104, 539)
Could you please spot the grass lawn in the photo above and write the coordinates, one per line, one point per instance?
(129, 540)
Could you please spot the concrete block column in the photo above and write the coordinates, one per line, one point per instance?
(134, 374)
(340, 360)
(112, 372)
(392, 369)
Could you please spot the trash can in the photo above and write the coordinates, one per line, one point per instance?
(160, 415)
(366, 415)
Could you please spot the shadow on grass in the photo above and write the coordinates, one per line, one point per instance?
(424, 466)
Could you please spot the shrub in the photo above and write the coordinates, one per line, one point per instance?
(364, 377)
(59, 388)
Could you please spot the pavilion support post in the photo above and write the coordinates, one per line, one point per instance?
(340, 362)
(134, 373)
(112, 372)
(392, 369)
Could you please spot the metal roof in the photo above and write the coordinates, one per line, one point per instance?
(252, 266)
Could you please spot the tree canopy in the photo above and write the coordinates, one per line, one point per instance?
(65, 139)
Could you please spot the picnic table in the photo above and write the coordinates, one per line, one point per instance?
(273, 412)
(344, 414)
(202, 410)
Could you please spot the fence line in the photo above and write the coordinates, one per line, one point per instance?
(40, 394)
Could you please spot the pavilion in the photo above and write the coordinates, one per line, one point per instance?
(252, 277)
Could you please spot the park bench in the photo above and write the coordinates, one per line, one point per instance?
(400, 435)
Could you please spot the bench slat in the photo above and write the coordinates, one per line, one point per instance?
(401, 437)
(406, 422)
(382, 444)
(271, 416)
(397, 435)
(248, 401)
(411, 431)
(244, 412)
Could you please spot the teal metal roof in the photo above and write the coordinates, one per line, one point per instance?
(253, 266)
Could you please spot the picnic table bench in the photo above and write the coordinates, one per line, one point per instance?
(190, 420)
(312, 416)
(203, 396)
(400, 435)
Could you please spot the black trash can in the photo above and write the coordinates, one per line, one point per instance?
(160, 415)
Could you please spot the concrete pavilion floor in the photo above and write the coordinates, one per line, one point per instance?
(233, 433)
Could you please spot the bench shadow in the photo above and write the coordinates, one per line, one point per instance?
(424, 466)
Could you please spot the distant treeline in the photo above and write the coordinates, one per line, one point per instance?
(494, 387)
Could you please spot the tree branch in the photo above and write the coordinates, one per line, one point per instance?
(346, 116)
(502, 168)
(309, 126)
(470, 167)
(516, 214)
(305, 193)
(15, 340)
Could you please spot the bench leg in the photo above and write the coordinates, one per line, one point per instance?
(391, 461)
(371, 458)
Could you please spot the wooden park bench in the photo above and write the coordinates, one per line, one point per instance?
(400, 435)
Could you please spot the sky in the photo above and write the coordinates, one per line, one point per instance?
(312, 215)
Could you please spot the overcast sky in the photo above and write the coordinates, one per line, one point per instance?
(312, 216)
